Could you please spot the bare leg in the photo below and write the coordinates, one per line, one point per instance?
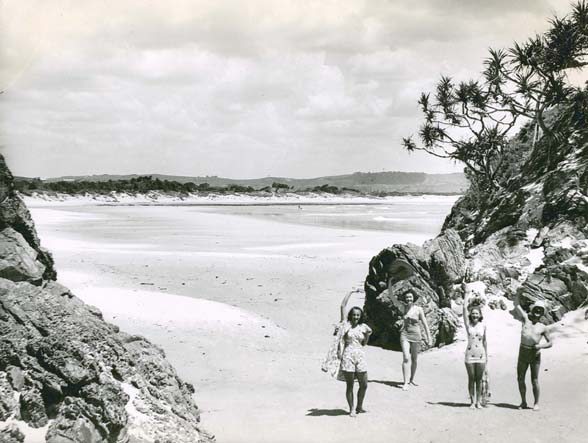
(363, 383)
(522, 367)
(405, 361)
(471, 383)
(414, 352)
(349, 376)
(535, 366)
(479, 368)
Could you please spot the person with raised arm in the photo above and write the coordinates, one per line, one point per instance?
(354, 337)
(476, 354)
(532, 334)
(410, 337)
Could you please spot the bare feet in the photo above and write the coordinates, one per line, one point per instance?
(478, 406)
(473, 406)
(352, 414)
(523, 406)
(536, 407)
(405, 387)
(360, 411)
(413, 383)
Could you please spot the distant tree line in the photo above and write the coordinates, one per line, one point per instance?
(145, 184)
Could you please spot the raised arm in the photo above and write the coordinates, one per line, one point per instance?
(522, 313)
(344, 305)
(466, 320)
(426, 326)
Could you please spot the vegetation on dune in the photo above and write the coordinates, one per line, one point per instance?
(146, 184)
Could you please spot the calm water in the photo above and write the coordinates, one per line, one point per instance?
(361, 229)
(413, 217)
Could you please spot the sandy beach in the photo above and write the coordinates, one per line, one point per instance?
(243, 304)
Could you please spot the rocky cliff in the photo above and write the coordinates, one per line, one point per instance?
(526, 240)
(529, 239)
(64, 372)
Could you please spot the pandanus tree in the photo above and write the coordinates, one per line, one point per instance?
(471, 121)
(466, 122)
(533, 76)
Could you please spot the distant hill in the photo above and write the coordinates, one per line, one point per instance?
(392, 181)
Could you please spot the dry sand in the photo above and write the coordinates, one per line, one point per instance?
(243, 308)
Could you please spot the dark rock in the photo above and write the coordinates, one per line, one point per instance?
(72, 426)
(8, 403)
(447, 262)
(14, 214)
(429, 272)
(11, 434)
(18, 261)
(32, 408)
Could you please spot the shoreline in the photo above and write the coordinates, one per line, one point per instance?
(287, 199)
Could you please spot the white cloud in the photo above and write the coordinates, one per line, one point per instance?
(234, 88)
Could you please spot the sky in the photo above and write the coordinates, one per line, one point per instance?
(238, 89)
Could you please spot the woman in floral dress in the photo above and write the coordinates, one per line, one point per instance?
(353, 362)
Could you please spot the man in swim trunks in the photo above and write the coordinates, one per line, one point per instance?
(530, 350)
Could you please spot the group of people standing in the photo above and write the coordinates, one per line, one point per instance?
(346, 359)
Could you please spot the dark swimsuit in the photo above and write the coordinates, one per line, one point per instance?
(529, 355)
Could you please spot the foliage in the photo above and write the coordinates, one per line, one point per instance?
(327, 188)
(472, 121)
(141, 184)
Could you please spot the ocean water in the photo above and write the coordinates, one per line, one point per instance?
(410, 217)
(289, 229)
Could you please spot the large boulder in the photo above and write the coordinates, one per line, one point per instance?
(18, 261)
(431, 272)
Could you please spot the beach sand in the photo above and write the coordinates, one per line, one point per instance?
(244, 308)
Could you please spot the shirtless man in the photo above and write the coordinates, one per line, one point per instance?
(530, 351)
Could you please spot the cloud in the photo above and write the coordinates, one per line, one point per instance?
(235, 88)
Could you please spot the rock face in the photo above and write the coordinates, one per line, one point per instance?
(64, 369)
(15, 216)
(530, 241)
(430, 272)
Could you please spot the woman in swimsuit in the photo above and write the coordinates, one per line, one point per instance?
(476, 354)
(410, 337)
(353, 363)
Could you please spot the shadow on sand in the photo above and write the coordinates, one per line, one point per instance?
(450, 404)
(505, 405)
(466, 405)
(326, 412)
(392, 384)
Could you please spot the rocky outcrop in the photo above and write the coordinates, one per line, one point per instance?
(529, 240)
(67, 371)
(429, 272)
(14, 215)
